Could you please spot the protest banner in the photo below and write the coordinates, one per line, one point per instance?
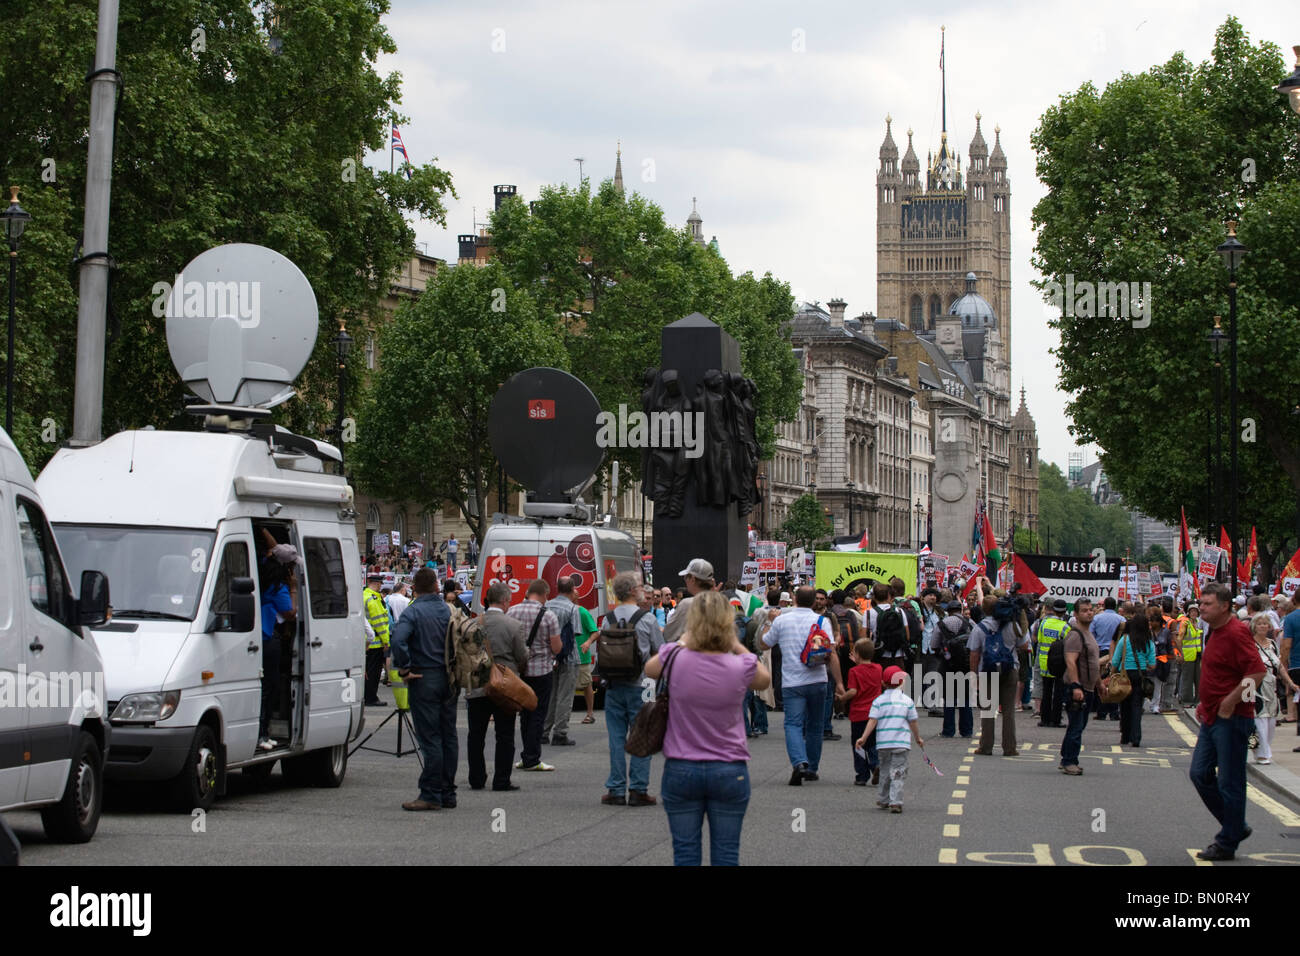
(1065, 577)
(848, 569)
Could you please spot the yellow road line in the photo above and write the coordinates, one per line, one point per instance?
(948, 855)
(1192, 853)
(954, 809)
(963, 779)
(1176, 722)
(959, 794)
(952, 829)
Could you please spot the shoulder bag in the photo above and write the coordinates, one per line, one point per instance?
(1117, 686)
(507, 689)
(645, 738)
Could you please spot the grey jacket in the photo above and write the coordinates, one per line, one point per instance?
(505, 635)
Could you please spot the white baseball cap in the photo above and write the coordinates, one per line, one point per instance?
(699, 569)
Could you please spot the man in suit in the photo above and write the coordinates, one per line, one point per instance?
(505, 636)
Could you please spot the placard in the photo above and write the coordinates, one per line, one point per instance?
(749, 575)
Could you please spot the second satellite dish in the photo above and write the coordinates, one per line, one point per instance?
(241, 325)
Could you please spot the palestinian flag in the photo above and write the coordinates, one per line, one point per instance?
(993, 557)
(1186, 563)
(747, 603)
(865, 542)
(1029, 582)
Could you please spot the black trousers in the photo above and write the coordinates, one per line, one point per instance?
(481, 710)
(776, 675)
(270, 682)
(531, 722)
(374, 668)
(1053, 703)
(1130, 712)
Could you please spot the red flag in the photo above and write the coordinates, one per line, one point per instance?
(1029, 582)
(1292, 569)
(1252, 555)
(1224, 543)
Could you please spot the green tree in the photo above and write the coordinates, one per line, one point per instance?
(218, 139)
(422, 426)
(805, 523)
(612, 273)
(1157, 555)
(1140, 179)
(1071, 523)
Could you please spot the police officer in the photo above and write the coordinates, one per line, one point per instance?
(1193, 638)
(1051, 630)
(377, 647)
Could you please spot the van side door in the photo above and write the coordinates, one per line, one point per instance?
(331, 639)
(236, 657)
(47, 651)
(13, 712)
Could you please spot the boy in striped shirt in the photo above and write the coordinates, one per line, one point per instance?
(893, 718)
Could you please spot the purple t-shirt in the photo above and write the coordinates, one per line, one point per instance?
(705, 721)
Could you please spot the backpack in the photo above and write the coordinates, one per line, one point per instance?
(891, 629)
(742, 627)
(818, 646)
(618, 650)
(848, 628)
(1004, 612)
(954, 648)
(996, 657)
(750, 638)
(567, 644)
(1056, 656)
(472, 655)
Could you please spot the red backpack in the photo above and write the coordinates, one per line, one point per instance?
(818, 646)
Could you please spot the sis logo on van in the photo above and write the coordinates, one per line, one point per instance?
(541, 409)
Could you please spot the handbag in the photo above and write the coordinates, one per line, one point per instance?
(646, 736)
(1117, 686)
(507, 690)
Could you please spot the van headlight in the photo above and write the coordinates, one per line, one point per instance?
(146, 708)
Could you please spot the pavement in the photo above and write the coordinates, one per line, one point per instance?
(1131, 807)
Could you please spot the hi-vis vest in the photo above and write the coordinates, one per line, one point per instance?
(377, 614)
(1049, 632)
(1192, 641)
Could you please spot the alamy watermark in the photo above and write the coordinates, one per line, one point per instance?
(59, 690)
(208, 300)
(1105, 300)
(638, 429)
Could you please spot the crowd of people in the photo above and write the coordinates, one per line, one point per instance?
(817, 657)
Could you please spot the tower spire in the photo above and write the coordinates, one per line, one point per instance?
(943, 74)
(618, 168)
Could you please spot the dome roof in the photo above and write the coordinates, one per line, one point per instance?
(973, 308)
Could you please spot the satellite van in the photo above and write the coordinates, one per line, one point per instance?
(542, 427)
(183, 522)
(53, 729)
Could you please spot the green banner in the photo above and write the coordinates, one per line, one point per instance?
(848, 569)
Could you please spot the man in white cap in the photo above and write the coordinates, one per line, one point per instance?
(697, 576)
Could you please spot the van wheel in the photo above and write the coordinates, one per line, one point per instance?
(195, 787)
(328, 766)
(75, 817)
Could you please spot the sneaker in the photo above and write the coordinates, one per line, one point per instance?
(831, 735)
(375, 703)
(859, 783)
(796, 775)
(883, 804)
(810, 775)
(895, 808)
(612, 799)
(266, 743)
(421, 805)
(639, 798)
(537, 766)
(563, 742)
(1263, 760)
(1073, 770)
(1216, 852)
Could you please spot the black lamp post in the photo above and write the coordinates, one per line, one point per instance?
(15, 219)
(852, 489)
(762, 505)
(342, 343)
(920, 512)
(1218, 340)
(1232, 252)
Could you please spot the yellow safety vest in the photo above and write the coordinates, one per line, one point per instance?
(377, 614)
(1191, 641)
(1049, 632)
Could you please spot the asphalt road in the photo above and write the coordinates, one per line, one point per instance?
(1130, 807)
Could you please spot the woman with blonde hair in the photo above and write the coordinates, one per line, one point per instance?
(1266, 704)
(706, 756)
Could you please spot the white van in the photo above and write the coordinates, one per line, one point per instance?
(180, 523)
(53, 727)
(519, 550)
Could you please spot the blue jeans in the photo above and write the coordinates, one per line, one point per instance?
(1076, 721)
(804, 706)
(622, 704)
(755, 713)
(692, 788)
(1219, 775)
(433, 711)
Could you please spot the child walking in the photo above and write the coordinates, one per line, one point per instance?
(865, 678)
(893, 718)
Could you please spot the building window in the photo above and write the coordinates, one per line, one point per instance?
(370, 352)
(935, 309)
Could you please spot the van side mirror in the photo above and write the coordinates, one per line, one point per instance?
(92, 608)
(243, 605)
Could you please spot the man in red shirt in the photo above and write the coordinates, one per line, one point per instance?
(1231, 669)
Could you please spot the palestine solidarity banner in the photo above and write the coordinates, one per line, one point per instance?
(848, 569)
(1061, 576)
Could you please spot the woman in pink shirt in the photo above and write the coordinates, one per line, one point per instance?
(706, 765)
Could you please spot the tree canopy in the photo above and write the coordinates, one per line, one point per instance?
(1070, 522)
(1141, 179)
(805, 523)
(218, 139)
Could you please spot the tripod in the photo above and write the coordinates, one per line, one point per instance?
(403, 716)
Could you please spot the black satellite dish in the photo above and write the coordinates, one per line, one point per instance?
(542, 427)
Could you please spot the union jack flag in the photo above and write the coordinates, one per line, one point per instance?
(400, 147)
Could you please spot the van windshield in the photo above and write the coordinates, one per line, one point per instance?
(153, 573)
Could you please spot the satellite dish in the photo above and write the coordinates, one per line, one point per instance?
(542, 427)
(241, 324)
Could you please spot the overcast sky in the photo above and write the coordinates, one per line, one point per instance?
(772, 114)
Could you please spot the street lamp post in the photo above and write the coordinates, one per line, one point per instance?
(1232, 252)
(852, 488)
(15, 219)
(1290, 87)
(1218, 339)
(342, 344)
(920, 512)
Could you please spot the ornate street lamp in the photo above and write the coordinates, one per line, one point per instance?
(1291, 85)
(1218, 340)
(342, 344)
(15, 219)
(1232, 252)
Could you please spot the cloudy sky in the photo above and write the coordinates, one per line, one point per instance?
(772, 114)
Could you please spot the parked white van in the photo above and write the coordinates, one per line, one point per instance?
(181, 523)
(53, 727)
